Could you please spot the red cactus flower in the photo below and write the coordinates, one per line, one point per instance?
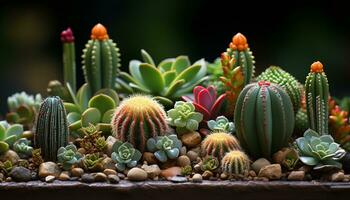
(206, 102)
(67, 36)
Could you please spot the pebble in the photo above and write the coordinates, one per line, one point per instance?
(87, 178)
(296, 176)
(108, 163)
(337, 177)
(223, 176)
(192, 155)
(191, 139)
(197, 167)
(252, 173)
(152, 170)
(8, 179)
(178, 179)
(11, 156)
(183, 150)
(149, 158)
(110, 141)
(272, 172)
(112, 178)
(64, 176)
(121, 176)
(137, 174)
(171, 172)
(100, 177)
(260, 163)
(197, 178)
(49, 168)
(207, 175)
(183, 161)
(82, 151)
(77, 172)
(49, 179)
(20, 174)
(109, 172)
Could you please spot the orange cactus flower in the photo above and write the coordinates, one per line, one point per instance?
(99, 32)
(239, 41)
(316, 67)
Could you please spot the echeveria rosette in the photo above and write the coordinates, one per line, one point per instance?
(184, 117)
(125, 155)
(164, 147)
(93, 162)
(205, 101)
(210, 163)
(221, 124)
(319, 151)
(68, 156)
(9, 134)
(22, 148)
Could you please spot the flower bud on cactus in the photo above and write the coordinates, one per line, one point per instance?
(69, 66)
(219, 143)
(235, 163)
(264, 119)
(317, 93)
(137, 119)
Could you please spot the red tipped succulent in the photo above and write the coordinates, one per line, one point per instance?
(205, 101)
(67, 36)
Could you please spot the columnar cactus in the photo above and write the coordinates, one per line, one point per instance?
(282, 78)
(137, 119)
(218, 143)
(101, 60)
(235, 163)
(317, 93)
(51, 129)
(264, 119)
(69, 66)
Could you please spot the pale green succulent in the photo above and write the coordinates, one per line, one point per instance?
(68, 156)
(125, 155)
(164, 147)
(9, 134)
(221, 124)
(22, 148)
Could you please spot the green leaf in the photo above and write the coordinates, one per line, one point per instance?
(151, 145)
(146, 57)
(2, 133)
(167, 103)
(111, 93)
(192, 125)
(189, 73)
(161, 156)
(174, 87)
(134, 68)
(138, 88)
(73, 117)
(166, 64)
(90, 115)
(83, 96)
(15, 129)
(169, 77)
(3, 147)
(102, 102)
(107, 117)
(308, 160)
(70, 107)
(10, 140)
(180, 64)
(196, 116)
(152, 78)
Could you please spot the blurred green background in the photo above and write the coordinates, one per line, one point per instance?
(290, 34)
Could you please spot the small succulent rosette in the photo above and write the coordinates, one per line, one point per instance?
(221, 124)
(210, 163)
(9, 134)
(68, 156)
(165, 147)
(125, 155)
(22, 148)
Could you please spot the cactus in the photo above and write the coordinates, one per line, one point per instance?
(68, 156)
(51, 129)
(282, 78)
(218, 143)
(69, 66)
(164, 147)
(22, 148)
(316, 94)
(301, 123)
(235, 163)
(221, 124)
(9, 134)
(264, 119)
(101, 60)
(124, 155)
(137, 119)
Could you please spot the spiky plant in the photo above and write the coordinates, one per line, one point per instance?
(276, 75)
(137, 119)
(339, 124)
(51, 129)
(235, 163)
(69, 66)
(264, 119)
(316, 94)
(301, 123)
(101, 60)
(218, 143)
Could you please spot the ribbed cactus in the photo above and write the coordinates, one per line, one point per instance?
(51, 129)
(316, 94)
(264, 119)
(69, 66)
(235, 163)
(282, 78)
(239, 50)
(101, 60)
(217, 144)
(137, 119)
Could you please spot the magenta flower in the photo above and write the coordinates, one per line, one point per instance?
(67, 36)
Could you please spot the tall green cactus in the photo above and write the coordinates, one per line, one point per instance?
(239, 49)
(51, 130)
(101, 60)
(264, 119)
(69, 66)
(316, 94)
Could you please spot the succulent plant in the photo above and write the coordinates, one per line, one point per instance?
(9, 134)
(217, 144)
(69, 66)
(137, 119)
(205, 101)
(93, 162)
(235, 163)
(215, 71)
(125, 155)
(316, 94)
(344, 103)
(291, 159)
(37, 159)
(101, 60)
(168, 81)
(186, 170)
(164, 147)
(68, 156)
(92, 140)
(6, 167)
(23, 108)
(210, 163)
(221, 124)
(51, 129)
(282, 78)
(319, 151)
(22, 148)
(184, 117)
(339, 125)
(264, 119)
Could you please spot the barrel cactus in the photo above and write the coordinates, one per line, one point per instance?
(316, 94)
(137, 119)
(264, 119)
(51, 128)
(235, 163)
(282, 78)
(101, 60)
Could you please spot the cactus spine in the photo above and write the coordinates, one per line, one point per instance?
(137, 119)
(264, 118)
(316, 94)
(51, 130)
(69, 66)
(101, 60)
(235, 163)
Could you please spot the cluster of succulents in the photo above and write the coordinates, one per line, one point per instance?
(164, 147)
(9, 134)
(92, 140)
(222, 124)
(68, 156)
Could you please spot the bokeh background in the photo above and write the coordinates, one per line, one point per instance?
(289, 34)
